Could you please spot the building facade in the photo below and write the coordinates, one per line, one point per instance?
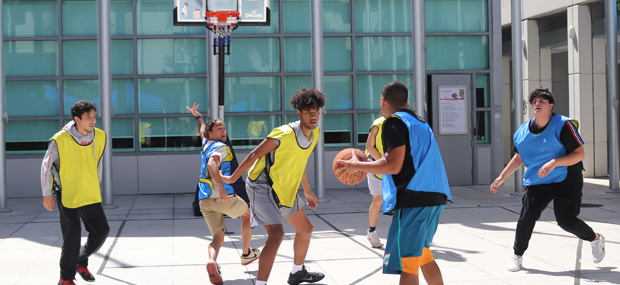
(51, 60)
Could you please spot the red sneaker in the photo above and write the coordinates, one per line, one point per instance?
(85, 273)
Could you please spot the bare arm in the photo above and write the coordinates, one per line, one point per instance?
(199, 121)
(512, 166)
(392, 163)
(371, 143)
(310, 197)
(573, 157)
(265, 147)
(214, 170)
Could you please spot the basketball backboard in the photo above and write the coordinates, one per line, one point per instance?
(251, 12)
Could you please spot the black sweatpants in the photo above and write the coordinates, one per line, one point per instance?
(96, 225)
(566, 207)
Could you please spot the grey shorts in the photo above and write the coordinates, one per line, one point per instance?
(263, 208)
(375, 185)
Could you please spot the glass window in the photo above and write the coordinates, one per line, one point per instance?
(79, 18)
(252, 94)
(297, 55)
(121, 17)
(75, 90)
(169, 134)
(122, 135)
(338, 92)
(21, 56)
(338, 130)
(457, 52)
(80, 58)
(383, 16)
(337, 54)
(274, 26)
(364, 122)
(456, 16)
(23, 137)
(482, 91)
(171, 95)
(253, 55)
(122, 96)
(172, 56)
(246, 132)
(369, 89)
(121, 59)
(483, 127)
(297, 16)
(336, 16)
(30, 18)
(32, 98)
(384, 53)
(154, 17)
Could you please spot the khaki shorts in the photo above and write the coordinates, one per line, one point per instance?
(214, 211)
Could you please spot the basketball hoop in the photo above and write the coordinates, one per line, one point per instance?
(221, 23)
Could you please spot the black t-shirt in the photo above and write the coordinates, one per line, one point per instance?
(395, 134)
(571, 142)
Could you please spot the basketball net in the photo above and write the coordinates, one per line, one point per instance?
(221, 23)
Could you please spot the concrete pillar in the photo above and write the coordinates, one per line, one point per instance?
(599, 94)
(507, 106)
(579, 27)
(545, 68)
(531, 62)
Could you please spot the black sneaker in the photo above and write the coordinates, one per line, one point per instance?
(305, 276)
(85, 273)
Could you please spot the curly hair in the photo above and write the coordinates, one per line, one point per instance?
(81, 107)
(395, 93)
(541, 93)
(307, 98)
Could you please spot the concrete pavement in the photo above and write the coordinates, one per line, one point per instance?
(155, 239)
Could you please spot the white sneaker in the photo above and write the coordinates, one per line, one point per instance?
(374, 240)
(515, 263)
(598, 249)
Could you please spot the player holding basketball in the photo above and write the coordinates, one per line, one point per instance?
(218, 199)
(415, 187)
(374, 151)
(278, 166)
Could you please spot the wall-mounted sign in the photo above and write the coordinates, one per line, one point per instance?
(452, 110)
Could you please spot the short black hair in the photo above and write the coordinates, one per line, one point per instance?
(395, 93)
(541, 93)
(307, 98)
(211, 124)
(81, 107)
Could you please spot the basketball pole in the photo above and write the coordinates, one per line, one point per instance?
(3, 120)
(317, 82)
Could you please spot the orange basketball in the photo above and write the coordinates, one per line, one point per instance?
(347, 154)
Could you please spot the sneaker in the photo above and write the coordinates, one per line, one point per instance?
(304, 276)
(215, 274)
(598, 249)
(251, 257)
(374, 240)
(515, 263)
(85, 273)
(66, 282)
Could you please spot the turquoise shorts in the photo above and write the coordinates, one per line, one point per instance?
(409, 239)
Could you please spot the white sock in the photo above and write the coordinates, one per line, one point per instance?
(258, 282)
(296, 268)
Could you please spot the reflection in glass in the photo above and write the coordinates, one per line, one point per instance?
(252, 94)
(383, 16)
(457, 52)
(364, 123)
(30, 18)
(171, 95)
(384, 53)
(154, 17)
(169, 134)
(80, 58)
(456, 16)
(338, 90)
(21, 56)
(254, 55)
(32, 98)
(172, 56)
(24, 137)
(79, 18)
(246, 132)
